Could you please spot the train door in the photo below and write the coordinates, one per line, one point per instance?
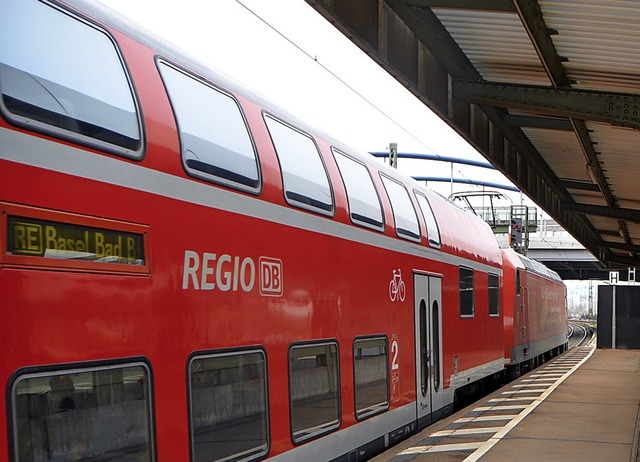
(428, 344)
(523, 288)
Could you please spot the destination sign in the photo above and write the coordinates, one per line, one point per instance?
(56, 240)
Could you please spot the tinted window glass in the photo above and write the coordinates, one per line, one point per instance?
(228, 396)
(364, 205)
(315, 390)
(424, 350)
(370, 362)
(62, 76)
(466, 292)
(305, 180)
(494, 291)
(214, 138)
(435, 325)
(433, 232)
(403, 211)
(83, 414)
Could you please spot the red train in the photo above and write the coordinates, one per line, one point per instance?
(535, 312)
(189, 273)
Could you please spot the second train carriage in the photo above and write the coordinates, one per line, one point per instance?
(535, 312)
(190, 273)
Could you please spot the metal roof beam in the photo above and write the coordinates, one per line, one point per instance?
(540, 36)
(482, 5)
(434, 36)
(538, 122)
(581, 185)
(614, 108)
(619, 245)
(621, 260)
(632, 215)
(593, 164)
(607, 232)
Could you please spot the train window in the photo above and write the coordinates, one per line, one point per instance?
(64, 77)
(424, 350)
(364, 203)
(466, 292)
(518, 286)
(214, 138)
(370, 363)
(304, 177)
(97, 413)
(403, 212)
(314, 385)
(228, 406)
(494, 295)
(435, 326)
(433, 233)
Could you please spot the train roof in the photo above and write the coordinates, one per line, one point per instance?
(520, 261)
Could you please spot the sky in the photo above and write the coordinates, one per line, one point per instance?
(291, 55)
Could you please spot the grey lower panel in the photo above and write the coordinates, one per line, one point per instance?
(520, 354)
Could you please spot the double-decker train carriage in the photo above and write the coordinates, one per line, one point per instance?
(189, 273)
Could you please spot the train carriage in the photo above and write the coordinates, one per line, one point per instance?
(190, 273)
(535, 312)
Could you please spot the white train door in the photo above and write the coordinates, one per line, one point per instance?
(428, 344)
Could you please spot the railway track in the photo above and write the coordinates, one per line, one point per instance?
(580, 334)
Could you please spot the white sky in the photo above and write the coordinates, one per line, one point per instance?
(287, 52)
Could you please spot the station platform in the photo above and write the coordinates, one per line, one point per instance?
(583, 406)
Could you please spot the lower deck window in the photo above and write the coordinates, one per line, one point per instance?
(228, 406)
(101, 414)
(315, 390)
(370, 360)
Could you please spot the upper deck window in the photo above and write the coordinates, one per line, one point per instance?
(433, 233)
(494, 294)
(215, 142)
(403, 212)
(364, 204)
(467, 301)
(64, 77)
(305, 180)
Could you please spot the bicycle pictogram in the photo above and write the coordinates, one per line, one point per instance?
(397, 289)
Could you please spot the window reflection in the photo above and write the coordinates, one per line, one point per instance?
(83, 415)
(72, 80)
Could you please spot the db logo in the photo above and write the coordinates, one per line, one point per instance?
(270, 277)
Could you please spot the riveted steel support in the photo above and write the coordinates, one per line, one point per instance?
(615, 108)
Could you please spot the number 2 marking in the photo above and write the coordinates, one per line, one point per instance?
(394, 352)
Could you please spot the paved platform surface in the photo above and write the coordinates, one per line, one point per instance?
(583, 406)
(591, 416)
